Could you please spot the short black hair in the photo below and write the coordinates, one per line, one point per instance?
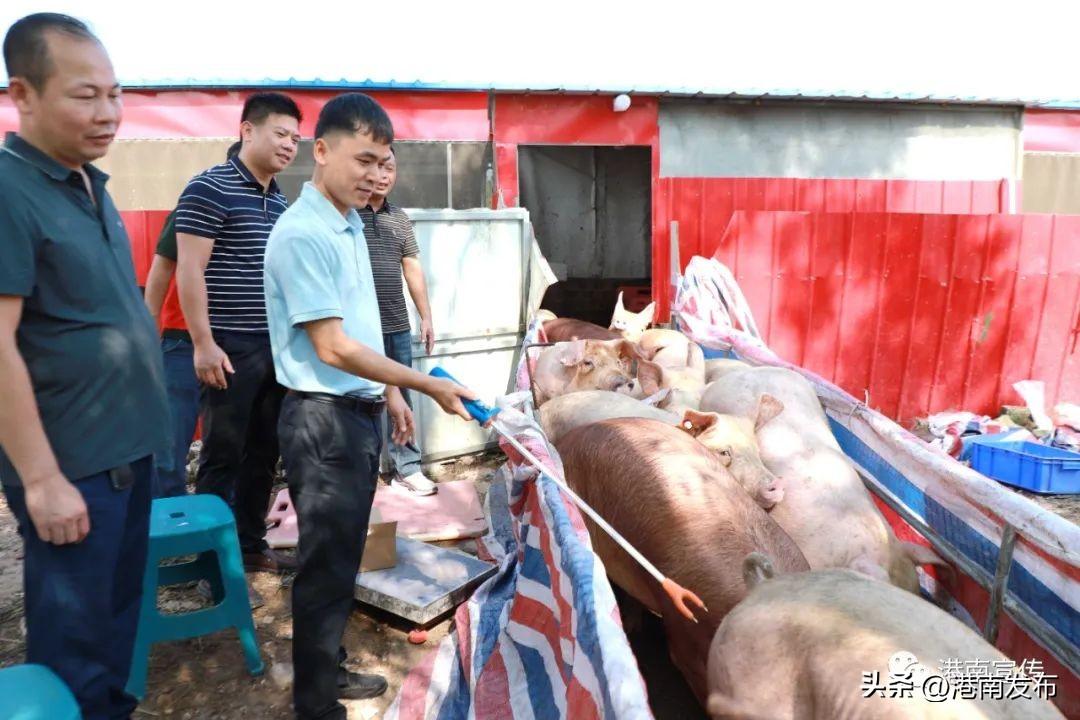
(262, 105)
(26, 47)
(234, 149)
(355, 113)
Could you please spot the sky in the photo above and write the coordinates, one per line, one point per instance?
(947, 48)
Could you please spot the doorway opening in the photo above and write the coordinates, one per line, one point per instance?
(591, 211)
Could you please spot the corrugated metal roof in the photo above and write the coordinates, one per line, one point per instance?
(750, 93)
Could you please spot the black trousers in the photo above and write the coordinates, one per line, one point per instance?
(331, 456)
(239, 435)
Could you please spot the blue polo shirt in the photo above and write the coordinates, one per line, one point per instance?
(317, 267)
(87, 339)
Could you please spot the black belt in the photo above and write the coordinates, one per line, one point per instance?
(368, 406)
(173, 334)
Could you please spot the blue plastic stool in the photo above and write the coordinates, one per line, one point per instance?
(201, 525)
(34, 692)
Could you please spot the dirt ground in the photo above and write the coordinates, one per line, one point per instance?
(205, 678)
(1067, 506)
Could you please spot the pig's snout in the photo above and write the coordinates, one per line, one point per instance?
(772, 492)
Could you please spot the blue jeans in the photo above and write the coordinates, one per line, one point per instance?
(403, 458)
(183, 389)
(82, 600)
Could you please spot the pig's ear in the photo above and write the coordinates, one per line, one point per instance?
(756, 568)
(922, 555)
(573, 354)
(630, 350)
(647, 353)
(651, 376)
(619, 313)
(768, 408)
(618, 316)
(646, 316)
(695, 422)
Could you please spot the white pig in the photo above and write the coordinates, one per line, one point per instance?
(826, 510)
(799, 645)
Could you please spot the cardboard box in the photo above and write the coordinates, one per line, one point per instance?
(380, 548)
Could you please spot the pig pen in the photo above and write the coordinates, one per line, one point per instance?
(1017, 563)
(543, 638)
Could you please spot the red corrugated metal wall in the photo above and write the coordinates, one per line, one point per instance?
(1052, 131)
(925, 312)
(143, 228)
(703, 207)
(181, 114)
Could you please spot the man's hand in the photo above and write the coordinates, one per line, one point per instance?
(400, 415)
(211, 364)
(449, 395)
(57, 509)
(427, 335)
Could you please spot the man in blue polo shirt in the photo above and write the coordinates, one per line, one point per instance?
(82, 398)
(328, 350)
(222, 221)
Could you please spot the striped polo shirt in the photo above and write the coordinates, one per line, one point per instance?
(389, 235)
(228, 205)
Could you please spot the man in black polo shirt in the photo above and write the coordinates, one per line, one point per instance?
(82, 401)
(394, 254)
(222, 221)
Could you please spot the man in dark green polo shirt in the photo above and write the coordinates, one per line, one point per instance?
(83, 401)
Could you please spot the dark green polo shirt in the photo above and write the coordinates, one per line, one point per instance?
(166, 242)
(171, 313)
(85, 334)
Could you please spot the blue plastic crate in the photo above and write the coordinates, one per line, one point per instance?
(1027, 465)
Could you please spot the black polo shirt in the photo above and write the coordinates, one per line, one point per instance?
(85, 334)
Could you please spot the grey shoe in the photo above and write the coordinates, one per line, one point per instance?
(417, 483)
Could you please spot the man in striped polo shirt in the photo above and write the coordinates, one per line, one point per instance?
(222, 222)
(177, 352)
(394, 253)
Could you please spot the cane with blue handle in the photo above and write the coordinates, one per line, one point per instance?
(680, 596)
(480, 412)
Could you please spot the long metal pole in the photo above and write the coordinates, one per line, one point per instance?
(623, 542)
(1001, 580)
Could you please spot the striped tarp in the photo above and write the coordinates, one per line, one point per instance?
(542, 638)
